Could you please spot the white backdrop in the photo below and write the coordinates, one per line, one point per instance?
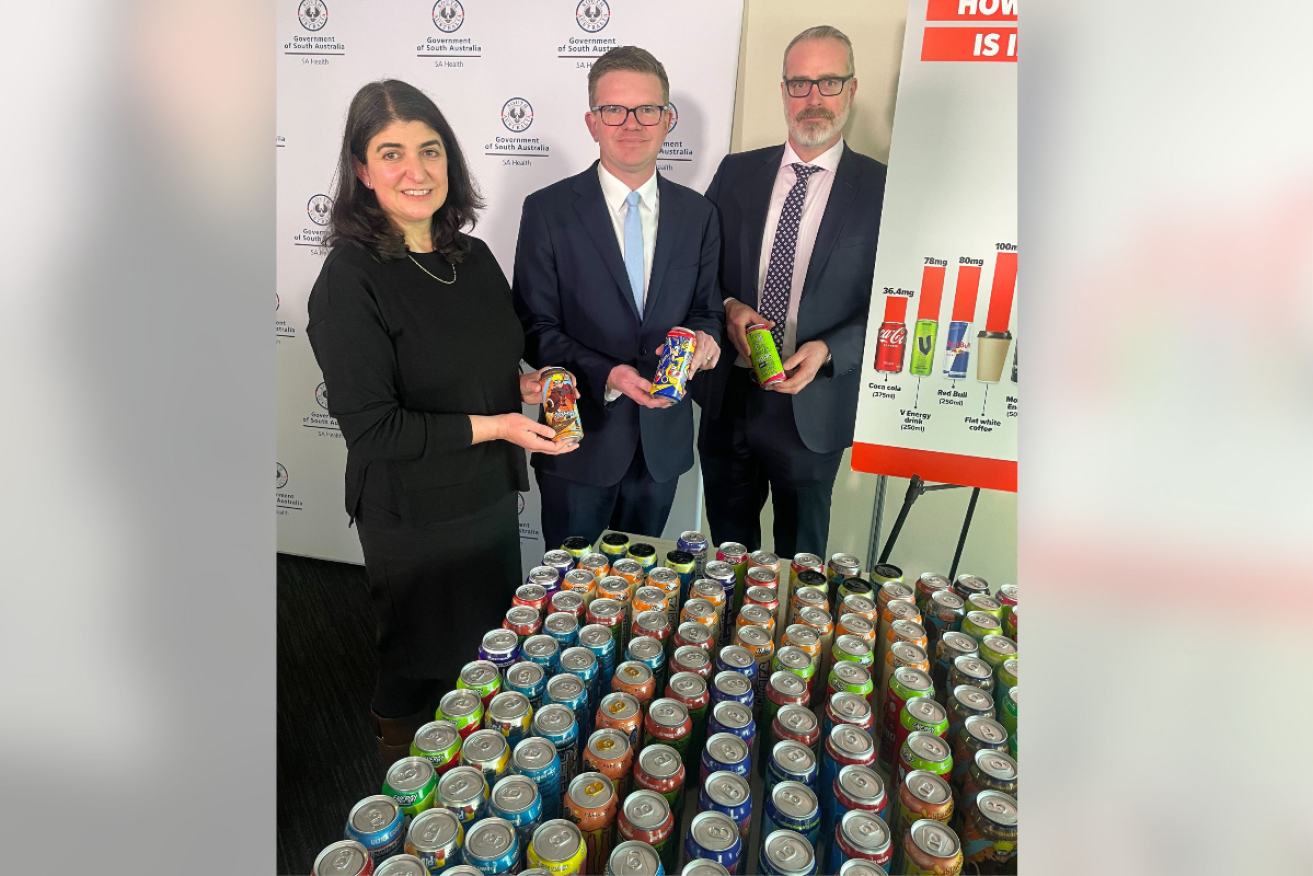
(511, 77)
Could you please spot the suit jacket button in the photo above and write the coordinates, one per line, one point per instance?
(643, 352)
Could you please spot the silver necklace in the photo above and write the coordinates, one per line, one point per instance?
(433, 275)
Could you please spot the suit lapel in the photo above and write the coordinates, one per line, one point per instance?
(836, 212)
(596, 218)
(754, 198)
(667, 228)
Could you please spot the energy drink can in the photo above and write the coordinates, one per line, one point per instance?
(608, 752)
(673, 582)
(727, 752)
(532, 595)
(558, 847)
(668, 723)
(791, 761)
(693, 634)
(797, 724)
(927, 586)
(971, 671)
(926, 752)
(995, 650)
(943, 614)
(921, 795)
(736, 555)
(648, 598)
(737, 658)
(437, 839)
(576, 546)
(636, 859)
(977, 734)
(920, 714)
(692, 692)
(615, 545)
(967, 585)
(952, 644)
(571, 691)
(787, 853)
(509, 714)
(563, 627)
(598, 639)
(905, 683)
(557, 724)
(856, 625)
(861, 836)
(990, 834)
(923, 349)
(592, 805)
(528, 679)
(438, 742)
(858, 788)
(809, 591)
(734, 719)
(691, 659)
(967, 701)
(658, 768)
(710, 591)
(464, 791)
(516, 799)
(649, 642)
(622, 712)
(1010, 624)
(547, 577)
(537, 760)
(728, 793)
(957, 350)
(841, 566)
(714, 837)
(501, 648)
(645, 821)
(562, 561)
(577, 590)
(863, 607)
(845, 746)
(596, 562)
(608, 613)
(671, 379)
(582, 664)
(487, 751)
(848, 708)
(849, 677)
(630, 568)
(852, 650)
(343, 858)
(756, 640)
(694, 543)
(986, 603)
(890, 347)
(645, 555)
(464, 708)
(727, 575)
(989, 771)
(635, 679)
(765, 357)
(731, 687)
(784, 689)
(523, 620)
(1008, 717)
(561, 406)
(792, 806)
(542, 650)
(493, 847)
(930, 847)
(684, 564)
(376, 823)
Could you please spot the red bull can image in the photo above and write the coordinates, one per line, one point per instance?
(957, 349)
(561, 406)
(671, 379)
(923, 347)
(890, 347)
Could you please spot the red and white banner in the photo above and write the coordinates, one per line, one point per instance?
(939, 395)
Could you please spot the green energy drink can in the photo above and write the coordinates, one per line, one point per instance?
(765, 358)
(412, 782)
(923, 347)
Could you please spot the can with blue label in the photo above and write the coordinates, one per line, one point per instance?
(725, 751)
(787, 853)
(731, 687)
(563, 627)
(558, 725)
(571, 691)
(957, 349)
(846, 745)
(529, 679)
(582, 664)
(792, 806)
(493, 847)
(736, 658)
(376, 823)
(792, 761)
(697, 544)
(733, 718)
(598, 639)
(731, 794)
(714, 837)
(536, 759)
(516, 799)
(436, 838)
(544, 651)
(671, 379)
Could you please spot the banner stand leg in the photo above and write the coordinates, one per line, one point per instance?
(915, 489)
(877, 520)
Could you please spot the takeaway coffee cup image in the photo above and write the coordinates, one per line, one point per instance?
(991, 353)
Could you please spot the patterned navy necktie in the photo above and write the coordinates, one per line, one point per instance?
(779, 273)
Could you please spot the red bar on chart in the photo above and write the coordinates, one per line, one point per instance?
(964, 298)
(895, 308)
(1001, 292)
(932, 291)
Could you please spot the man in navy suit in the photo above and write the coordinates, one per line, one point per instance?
(607, 262)
(798, 225)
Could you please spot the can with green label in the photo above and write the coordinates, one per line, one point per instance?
(765, 358)
(412, 782)
(923, 347)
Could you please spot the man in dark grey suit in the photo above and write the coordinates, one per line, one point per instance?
(798, 230)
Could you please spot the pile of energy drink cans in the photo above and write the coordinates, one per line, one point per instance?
(643, 717)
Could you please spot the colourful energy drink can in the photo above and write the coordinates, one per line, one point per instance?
(542, 650)
(343, 858)
(438, 742)
(646, 822)
(376, 823)
(862, 836)
(615, 545)
(637, 858)
(493, 847)
(576, 546)
(465, 792)
(791, 761)
(788, 853)
(765, 358)
(731, 794)
(792, 806)
(516, 799)
(436, 838)
(714, 837)
(598, 639)
(923, 349)
(845, 746)
(591, 803)
(671, 379)
(571, 691)
(464, 708)
(536, 759)
(735, 719)
(659, 768)
(561, 406)
(582, 664)
(725, 751)
(558, 847)
(488, 751)
(510, 714)
(557, 724)
(501, 648)
(958, 349)
(528, 679)
(695, 543)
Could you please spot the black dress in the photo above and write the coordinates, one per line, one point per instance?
(406, 359)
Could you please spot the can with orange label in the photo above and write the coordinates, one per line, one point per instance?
(591, 804)
(609, 752)
(622, 712)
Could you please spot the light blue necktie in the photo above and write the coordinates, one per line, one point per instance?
(634, 250)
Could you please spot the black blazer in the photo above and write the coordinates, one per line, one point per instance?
(835, 296)
(573, 298)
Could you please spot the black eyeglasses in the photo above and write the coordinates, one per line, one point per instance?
(831, 87)
(615, 115)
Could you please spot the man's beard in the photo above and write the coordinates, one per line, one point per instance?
(817, 125)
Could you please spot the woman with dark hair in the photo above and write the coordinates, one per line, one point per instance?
(412, 325)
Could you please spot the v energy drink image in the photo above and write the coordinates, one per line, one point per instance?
(923, 347)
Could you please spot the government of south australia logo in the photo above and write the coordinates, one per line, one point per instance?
(313, 14)
(448, 15)
(592, 15)
(321, 396)
(319, 208)
(520, 496)
(282, 475)
(517, 115)
(674, 117)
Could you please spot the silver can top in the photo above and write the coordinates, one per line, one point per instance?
(500, 642)
(569, 601)
(811, 597)
(793, 756)
(591, 790)
(859, 605)
(974, 583)
(913, 679)
(851, 706)
(927, 787)
(619, 706)
(865, 830)
(984, 602)
(927, 746)
(650, 595)
(565, 687)
(754, 635)
(705, 587)
(815, 616)
(727, 789)
(594, 635)
(544, 576)
(342, 858)
(402, 865)
(762, 595)
(646, 810)
(433, 830)
(764, 558)
(531, 592)
(948, 600)
(932, 581)
(659, 761)
(373, 814)
(761, 576)
(578, 659)
(1008, 591)
(793, 657)
(732, 684)
(594, 560)
(540, 646)
(985, 730)
(483, 746)
(789, 853)
(604, 608)
(856, 624)
(958, 642)
(633, 672)
(698, 608)
(663, 577)
(733, 549)
(998, 807)
(808, 561)
(410, 774)
(855, 867)
(798, 719)
(436, 736)
(561, 622)
(787, 684)
(514, 794)
(895, 591)
(525, 674)
(718, 569)
(522, 614)
(687, 684)
(795, 800)
(509, 705)
(646, 648)
(608, 744)
(755, 615)
(908, 630)
(852, 645)
(692, 536)
(490, 838)
(557, 840)
(627, 566)
(703, 867)
(802, 635)
(731, 714)
(533, 753)
(553, 719)
(934, 838)
(845, 562)
(984, 621)
(667, 712)
(850, 673)
(926, 710)
(459, 703)
(693, 632)
(557, 556)
(862, 784)
(581, 578)
(714, 831)
(461, 786)
(852, 741)
(634, 858)
(908, 654)
(727, 748)
(973, 698)
(999, 645)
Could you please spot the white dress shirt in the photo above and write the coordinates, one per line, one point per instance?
(614, 192)
(813, 208)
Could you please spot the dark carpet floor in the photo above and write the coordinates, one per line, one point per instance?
(327, 759)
